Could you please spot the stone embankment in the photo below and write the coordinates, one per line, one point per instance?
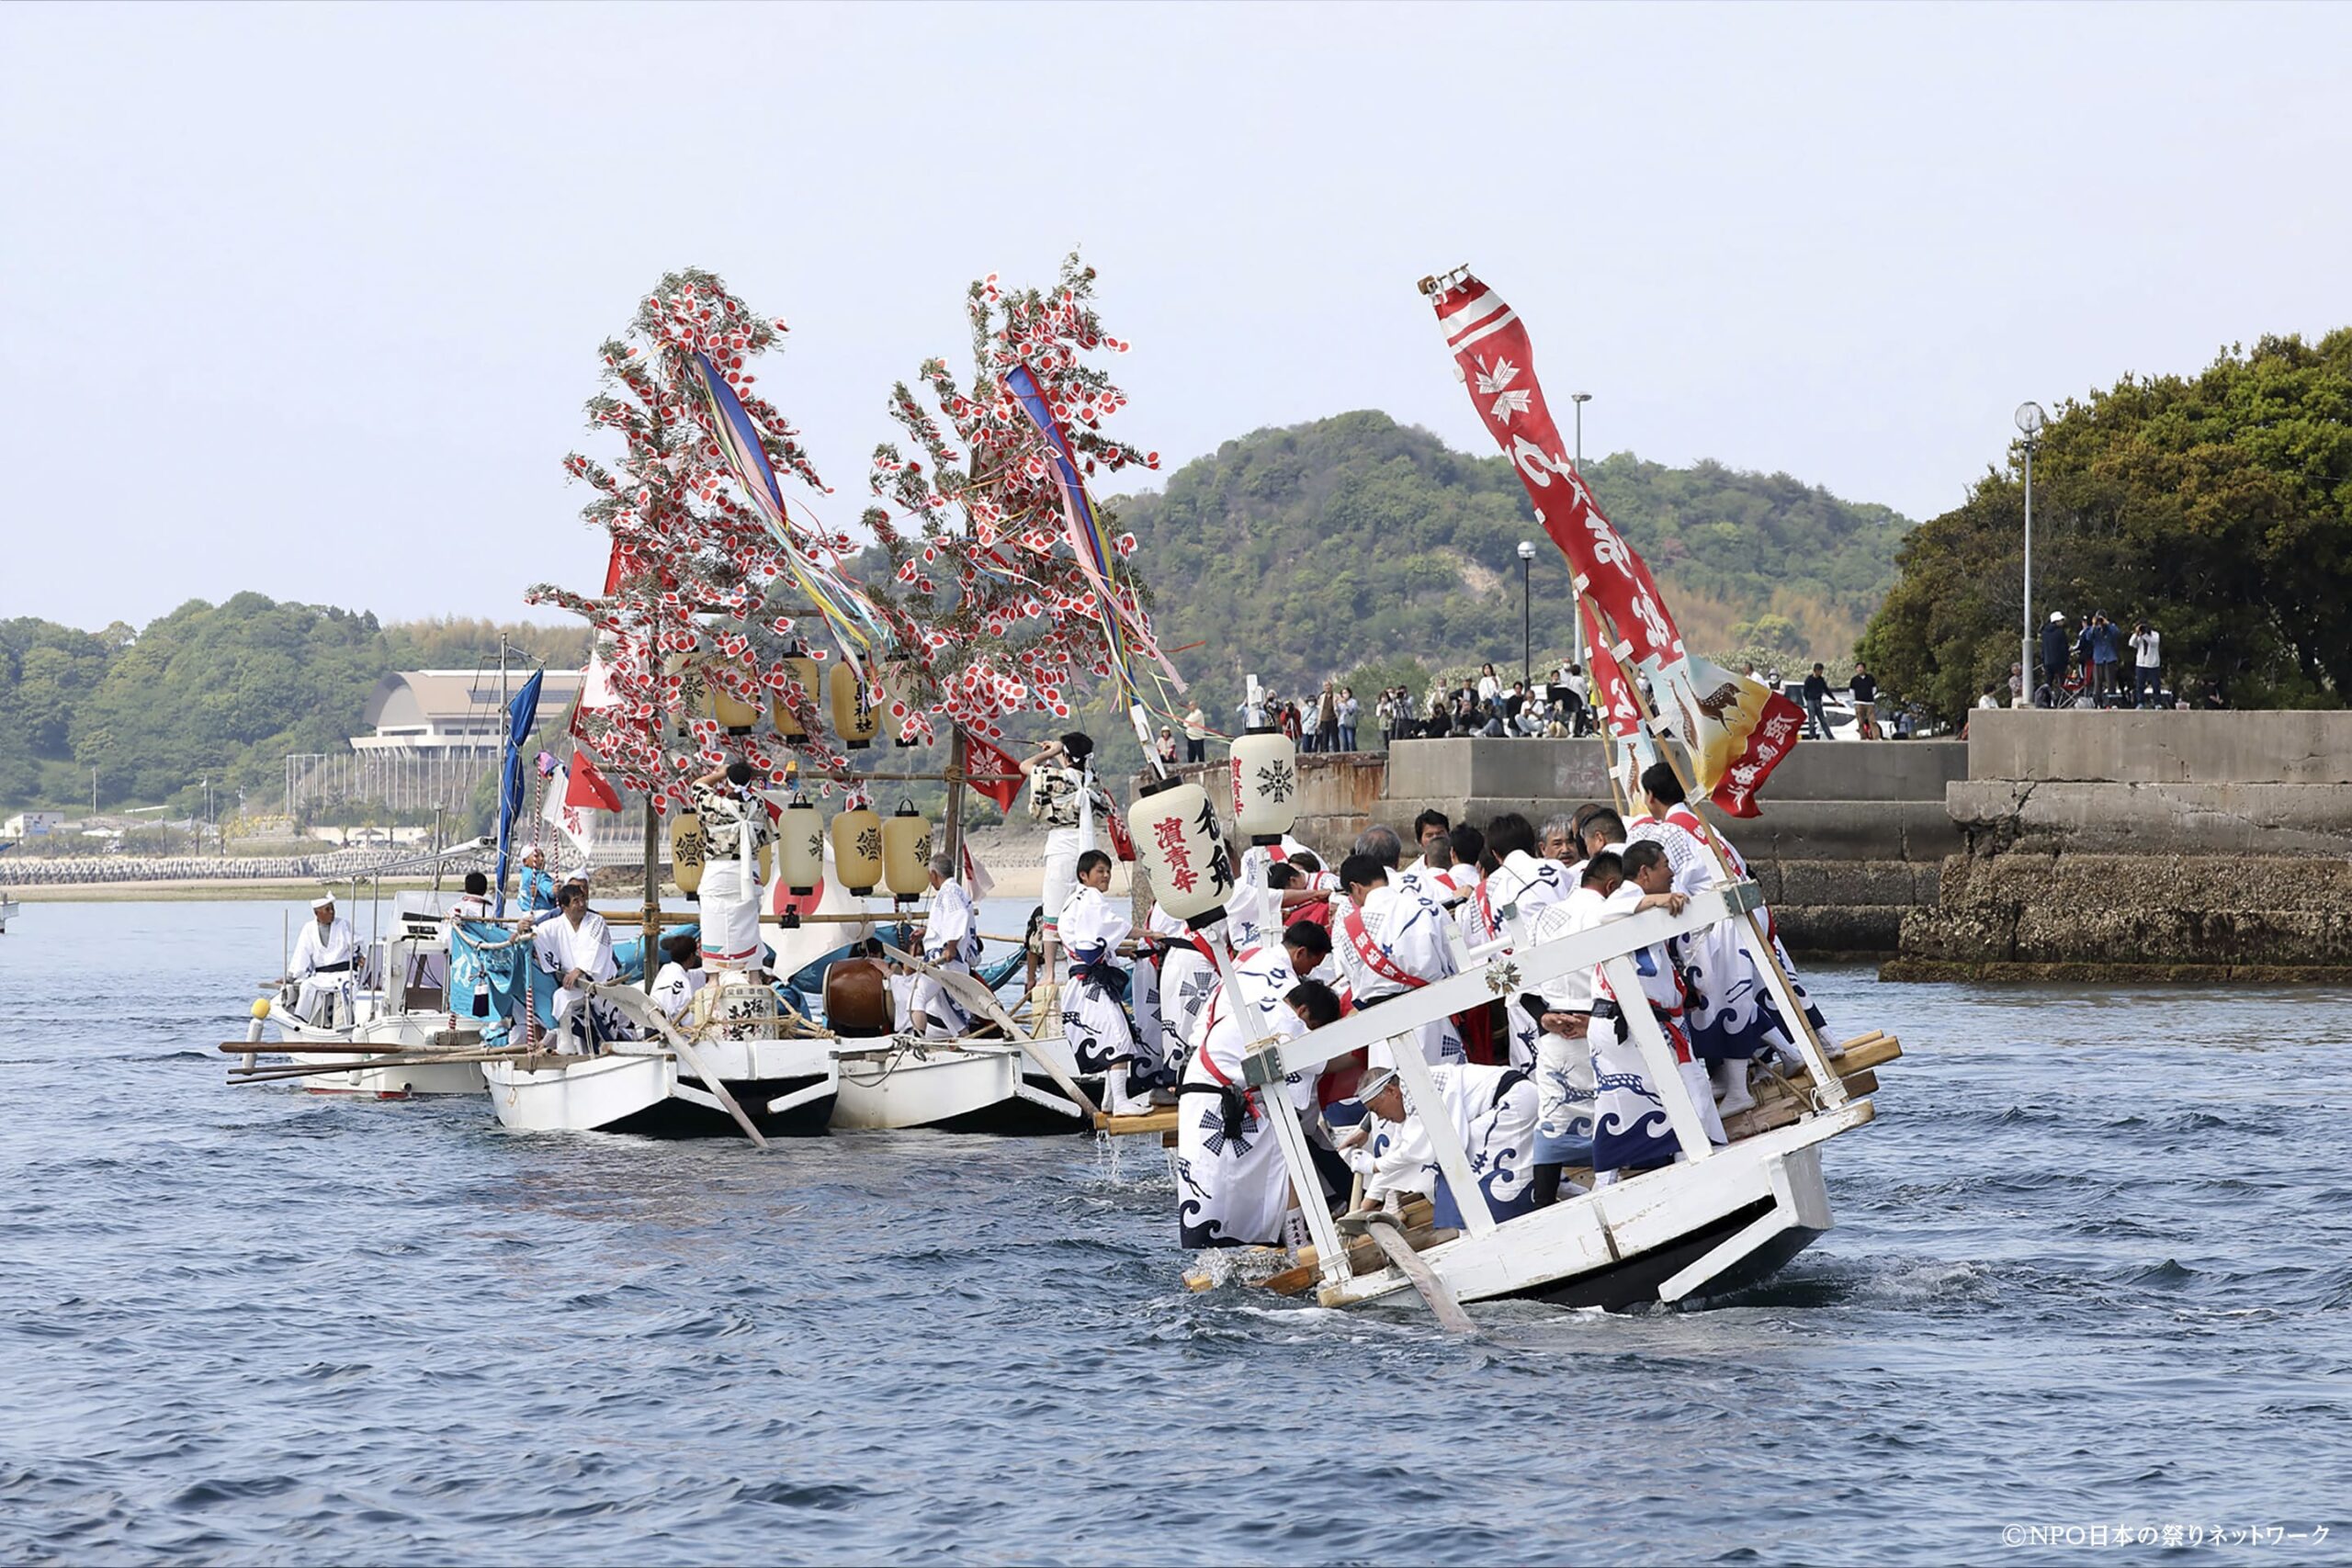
(2112, 845)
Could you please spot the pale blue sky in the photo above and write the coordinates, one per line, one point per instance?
(306, 300)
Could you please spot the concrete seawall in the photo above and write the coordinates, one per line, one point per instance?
(2147, 845)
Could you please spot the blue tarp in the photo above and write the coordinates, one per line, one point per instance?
(478, 965)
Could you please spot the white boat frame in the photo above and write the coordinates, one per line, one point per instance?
(1720, 1217)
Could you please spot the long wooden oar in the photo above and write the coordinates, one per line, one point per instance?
(1388, 1231)
(968, 989)
(640, 1007)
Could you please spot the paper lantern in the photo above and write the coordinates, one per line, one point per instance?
(858, 850)
(855, 719)
(734, 715)
(906, 853)
(1177, 839)
(1265, 785)
(801, 847)
(687, 847)
(803, 669)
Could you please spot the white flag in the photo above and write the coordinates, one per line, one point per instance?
(573, 820)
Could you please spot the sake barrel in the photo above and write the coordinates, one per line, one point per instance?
(855, 719)
(801, 847)
(1181, 850)
(906, 853)
(1265, 785)
(858, 850)
(803, 669)
(687, 849)
(857, 999)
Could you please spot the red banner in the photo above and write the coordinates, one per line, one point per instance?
(982, 759)
(587, 786)
(1729, 723)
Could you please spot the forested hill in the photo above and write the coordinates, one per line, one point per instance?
(1321, 548)
(220, 692)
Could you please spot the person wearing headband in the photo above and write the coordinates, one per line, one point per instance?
(325, 956)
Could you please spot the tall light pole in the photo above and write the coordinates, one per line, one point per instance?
(2031, 420)
(1526, 615)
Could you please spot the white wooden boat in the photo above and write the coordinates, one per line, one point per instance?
(964, 1086)
(399, 1002)
(678, 1084)
(1720, 1218)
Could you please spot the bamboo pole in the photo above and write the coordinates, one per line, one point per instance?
(649, 917)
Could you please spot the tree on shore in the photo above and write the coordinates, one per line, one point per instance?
(2218, 507)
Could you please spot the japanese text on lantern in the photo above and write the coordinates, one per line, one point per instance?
(1168, 834)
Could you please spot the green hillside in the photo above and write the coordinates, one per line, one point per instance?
(1313, 551)
(220, 692)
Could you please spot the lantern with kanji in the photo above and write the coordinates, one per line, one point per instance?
(858, 850)
(801, 847)
(1176, 837)
(906, 853)
(1265, 785)
(855, 719)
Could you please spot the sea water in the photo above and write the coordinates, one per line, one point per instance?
(2092, 1272)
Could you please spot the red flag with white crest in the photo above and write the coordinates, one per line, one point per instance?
(1735, 729)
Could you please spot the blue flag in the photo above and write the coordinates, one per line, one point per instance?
(521, 715)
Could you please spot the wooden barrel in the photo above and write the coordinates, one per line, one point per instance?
(687, 847)
(857, 999)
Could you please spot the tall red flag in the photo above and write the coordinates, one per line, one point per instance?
(1734, 729)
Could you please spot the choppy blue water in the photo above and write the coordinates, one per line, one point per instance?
(2094, 1268)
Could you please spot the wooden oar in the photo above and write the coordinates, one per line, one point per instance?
(640, 1007)
(391, 1063)
(1388, 1231)
(970, 990)
(333, 1047)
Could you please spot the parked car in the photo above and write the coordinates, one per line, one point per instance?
(1838, 710)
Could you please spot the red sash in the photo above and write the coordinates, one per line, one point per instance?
(1373, 956)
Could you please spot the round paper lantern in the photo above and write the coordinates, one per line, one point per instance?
(801, 847)
(803, 669)
(1265, 785)
(1176, 839)
(906, 853)
(855, 719)
(858, 850)
(687, 847)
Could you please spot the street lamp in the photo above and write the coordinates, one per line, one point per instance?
(1526, 615)
(2031, 420)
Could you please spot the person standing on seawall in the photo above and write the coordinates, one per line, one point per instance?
(2147, 666)
(1865, 692)
(1196, 734)
(1816, 692)
(2054, 658)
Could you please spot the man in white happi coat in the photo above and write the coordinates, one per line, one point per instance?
(574, 946)
(1631, 1130)
(326, 956)
(1521, 887)
(1733, 1019)
(1233, 1185)
(680, 977)
(1563, 1085)
(1393, 938)
(1426, 826)
(1095, 1012)
(735, 823)
(1492, 1111)
(950, 942)
(1065, 798)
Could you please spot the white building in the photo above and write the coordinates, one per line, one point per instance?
(436, 712)
(32, 825)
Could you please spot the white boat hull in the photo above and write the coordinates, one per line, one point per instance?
(8, 908)
(970, 1086)
(787, 1086)
(1694, 1229)
(395, 1032)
